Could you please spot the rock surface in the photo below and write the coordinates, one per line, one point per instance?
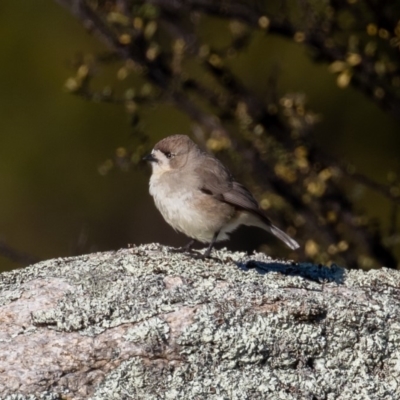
(145, 323)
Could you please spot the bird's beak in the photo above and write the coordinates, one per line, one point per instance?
(149, 158)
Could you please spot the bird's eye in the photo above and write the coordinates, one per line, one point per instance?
(168, 155)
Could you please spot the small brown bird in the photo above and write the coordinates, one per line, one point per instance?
(197, 195)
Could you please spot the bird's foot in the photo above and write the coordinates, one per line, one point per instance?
(180, 250)
(196, 254)
(203, 256)
(184, 249)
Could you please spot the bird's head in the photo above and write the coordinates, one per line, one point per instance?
(171, 153)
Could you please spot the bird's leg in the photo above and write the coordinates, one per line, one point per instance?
(188, 246)
(194, 253)
(208, 251)
(184, 249)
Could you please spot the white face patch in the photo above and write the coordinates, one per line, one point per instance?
(162, 164)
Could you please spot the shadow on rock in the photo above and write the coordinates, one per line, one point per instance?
(312, 272)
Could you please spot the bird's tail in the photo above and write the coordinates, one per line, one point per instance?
(262, 221)
(284, 237)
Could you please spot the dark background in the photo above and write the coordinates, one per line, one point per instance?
(53, 200)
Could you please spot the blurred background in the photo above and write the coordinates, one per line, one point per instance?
(56, 199)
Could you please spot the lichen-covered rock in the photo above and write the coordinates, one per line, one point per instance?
(145, 323)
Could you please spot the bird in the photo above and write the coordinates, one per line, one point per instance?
(198, 196)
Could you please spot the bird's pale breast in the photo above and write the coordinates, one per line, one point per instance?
(187, 209)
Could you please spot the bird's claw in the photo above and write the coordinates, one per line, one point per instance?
(200, 256)
(195, 254)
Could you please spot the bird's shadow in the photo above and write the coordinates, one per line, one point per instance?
(312, 272)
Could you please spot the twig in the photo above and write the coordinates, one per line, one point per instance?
(16, 255)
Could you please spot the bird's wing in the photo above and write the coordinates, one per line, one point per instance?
(217, 181)
(240, 197)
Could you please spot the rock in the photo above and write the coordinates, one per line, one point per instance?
(145, 323)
